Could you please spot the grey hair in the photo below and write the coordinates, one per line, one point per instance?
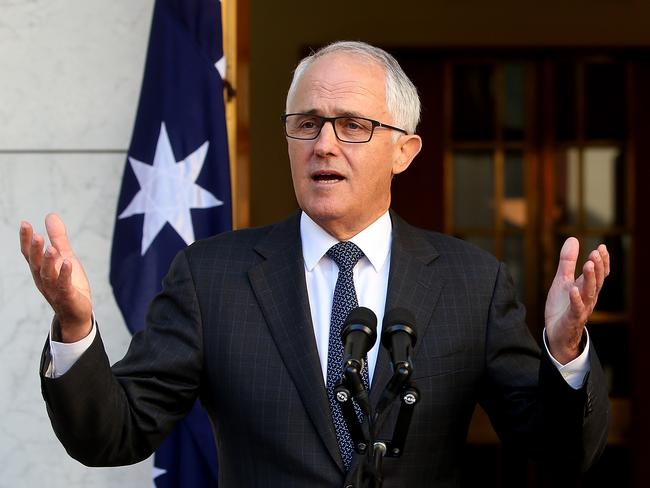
(402, 100)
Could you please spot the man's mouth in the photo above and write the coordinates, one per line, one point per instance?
(327, 177)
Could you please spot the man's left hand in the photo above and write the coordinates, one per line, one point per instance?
(571, 301)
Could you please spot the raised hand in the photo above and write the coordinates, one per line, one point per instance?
(60, 277)
(571, 301)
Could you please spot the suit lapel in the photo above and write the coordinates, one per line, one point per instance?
(412, 284)
(279, 285)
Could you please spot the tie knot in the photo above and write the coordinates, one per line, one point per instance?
(345, 254)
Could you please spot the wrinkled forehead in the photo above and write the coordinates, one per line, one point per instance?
(341, 81)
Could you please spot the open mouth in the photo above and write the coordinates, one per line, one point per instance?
(327, 177)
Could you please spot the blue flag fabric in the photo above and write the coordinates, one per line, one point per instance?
(175, 189)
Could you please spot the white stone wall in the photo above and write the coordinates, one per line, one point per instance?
(70, 74)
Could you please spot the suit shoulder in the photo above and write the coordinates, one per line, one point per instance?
(452, 248)
(457, 260)
(454, 245)
(237, 245)
(241, 238)
(463, 263)
(243, 242)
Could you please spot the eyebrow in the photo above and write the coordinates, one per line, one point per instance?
(346, 113)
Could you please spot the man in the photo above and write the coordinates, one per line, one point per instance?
(244, 319)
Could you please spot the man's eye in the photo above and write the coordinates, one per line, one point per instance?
(307, 124)
(355, 125)
(351, 124)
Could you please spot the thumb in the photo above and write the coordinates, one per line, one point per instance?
(566, 267)
(58, 236)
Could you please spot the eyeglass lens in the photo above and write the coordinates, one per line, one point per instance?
(347, 129)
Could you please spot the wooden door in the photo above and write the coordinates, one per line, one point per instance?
(521, 150)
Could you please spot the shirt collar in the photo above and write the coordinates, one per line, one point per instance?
(375, 241)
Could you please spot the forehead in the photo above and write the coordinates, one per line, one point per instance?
(341, 83)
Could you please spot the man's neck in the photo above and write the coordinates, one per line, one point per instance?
(343, 232)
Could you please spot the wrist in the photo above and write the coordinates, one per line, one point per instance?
(565, 351)
(67, 332)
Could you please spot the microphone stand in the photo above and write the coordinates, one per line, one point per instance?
(369, 472)
(343, 392)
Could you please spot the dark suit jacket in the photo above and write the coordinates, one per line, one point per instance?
(232, 327)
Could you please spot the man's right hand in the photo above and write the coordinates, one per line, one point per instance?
(60, 277)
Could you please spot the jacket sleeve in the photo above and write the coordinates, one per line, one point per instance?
(529, 403)
(114, 416)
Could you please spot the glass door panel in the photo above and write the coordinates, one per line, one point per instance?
(514, 100)
(514, 207)
(603, 169)
(473, 102)
(473, 174)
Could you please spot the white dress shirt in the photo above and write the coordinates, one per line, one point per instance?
(370, 278)
(371, 284)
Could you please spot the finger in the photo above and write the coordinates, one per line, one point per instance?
(577, 311)
(599, 269)
(64, 280)
(36, 254)
(588, 289)
(57, 234)
(26, 233)
(49, 273)
(66, 302)
(566, 268)
(604, 255)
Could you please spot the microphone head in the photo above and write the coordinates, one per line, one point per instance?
(362, 320)
(395, 321)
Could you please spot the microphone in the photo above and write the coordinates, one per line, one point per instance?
(358, 335)
(399, 337)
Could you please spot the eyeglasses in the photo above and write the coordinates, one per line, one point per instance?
(307, 127)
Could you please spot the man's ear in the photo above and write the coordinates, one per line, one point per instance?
(408, 147)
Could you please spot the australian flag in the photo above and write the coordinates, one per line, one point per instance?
(175, 189)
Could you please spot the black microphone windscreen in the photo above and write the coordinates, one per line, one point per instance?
(398, 320)
(361, 319)
(362, 315)
(399, 315)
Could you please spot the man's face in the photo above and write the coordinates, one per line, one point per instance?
(345, 187)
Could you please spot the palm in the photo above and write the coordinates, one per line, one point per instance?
(571, 300)
(59, 239)
(80, 304)
(558, 303)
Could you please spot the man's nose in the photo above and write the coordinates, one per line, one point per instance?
(327, 139)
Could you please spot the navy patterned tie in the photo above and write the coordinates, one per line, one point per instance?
(345, 255)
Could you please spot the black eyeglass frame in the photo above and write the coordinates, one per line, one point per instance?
(374, 123)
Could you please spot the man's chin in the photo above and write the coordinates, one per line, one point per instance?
(324, 217)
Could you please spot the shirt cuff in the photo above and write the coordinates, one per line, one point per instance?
(64, 354)
(573, 372)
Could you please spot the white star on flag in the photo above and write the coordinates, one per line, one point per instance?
(168, 191)
(221, 67)
(157, 472)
